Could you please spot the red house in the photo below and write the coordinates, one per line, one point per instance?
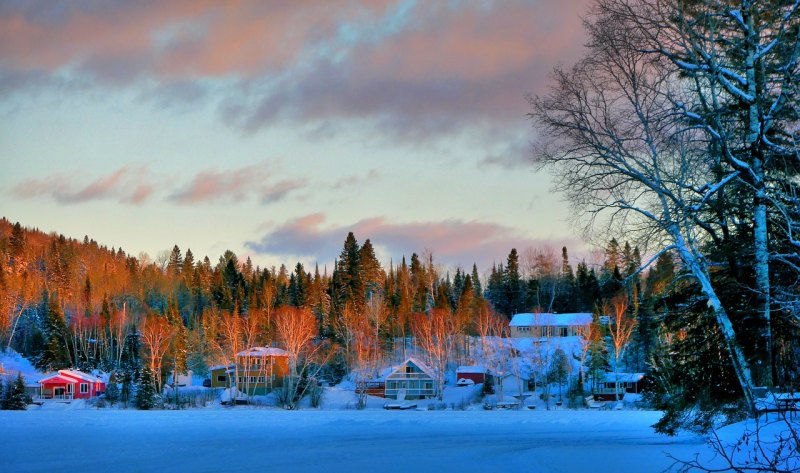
(71, 384)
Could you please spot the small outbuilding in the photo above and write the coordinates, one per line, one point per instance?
(476, 374)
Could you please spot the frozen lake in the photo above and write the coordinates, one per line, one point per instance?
(246, 439)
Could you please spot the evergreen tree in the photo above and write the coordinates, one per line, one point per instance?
(175, 263)
(146, 397)
(371, 271)
(476, 282)
(559, 370)
(112, 393)
(14, 397)
(55, 355)
(513, 287)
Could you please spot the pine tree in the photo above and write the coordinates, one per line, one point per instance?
(146, 391)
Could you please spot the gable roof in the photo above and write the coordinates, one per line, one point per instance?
(416, 362)
(547, 319)
(80, 375)
(263, 351)
(57, 378)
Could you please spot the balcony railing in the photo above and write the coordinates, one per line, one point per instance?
(408, 376)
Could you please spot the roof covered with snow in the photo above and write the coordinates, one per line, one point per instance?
(71, 376)
(623, 377)
(547, 319)
(471, 369)
(263, 351)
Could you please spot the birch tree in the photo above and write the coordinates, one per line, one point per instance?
(620, 329)
(611, 137)
(435, 334)
(737, 62)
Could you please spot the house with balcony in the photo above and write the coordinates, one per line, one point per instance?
(256, 371)
(411, 380)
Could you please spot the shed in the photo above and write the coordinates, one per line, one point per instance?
(474, 373)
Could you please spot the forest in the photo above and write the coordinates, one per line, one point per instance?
(71, 303)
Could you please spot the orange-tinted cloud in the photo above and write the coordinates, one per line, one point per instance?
(410, 70)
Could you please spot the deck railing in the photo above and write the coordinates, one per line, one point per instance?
(55, 397)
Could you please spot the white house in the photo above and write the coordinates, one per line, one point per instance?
(548, 325)
(411, 380)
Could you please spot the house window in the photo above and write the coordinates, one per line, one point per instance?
(253, 379)
(241, 379)
(262, 379)
(409, 369)
(221, 378)
(563, 332)
(70, 388)
(84, 388)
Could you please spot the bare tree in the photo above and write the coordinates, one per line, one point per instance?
(620, 329)
(156, 334)
(435, 334)
(296, 328)
(495, 345)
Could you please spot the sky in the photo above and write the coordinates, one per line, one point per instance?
(273, 128)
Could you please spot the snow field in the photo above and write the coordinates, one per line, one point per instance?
(252, 439)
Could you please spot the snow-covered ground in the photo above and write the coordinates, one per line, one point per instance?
(252, 439)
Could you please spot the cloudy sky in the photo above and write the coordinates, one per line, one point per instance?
(272, 128)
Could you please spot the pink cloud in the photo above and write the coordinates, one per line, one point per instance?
(125, 185)
(175, 39)
(453, 242)
(236, 185)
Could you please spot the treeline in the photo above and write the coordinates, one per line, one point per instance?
(76, 303)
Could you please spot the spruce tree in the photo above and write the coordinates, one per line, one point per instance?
(14, 397)
(55, 355)
(146, 391)
(112, 390)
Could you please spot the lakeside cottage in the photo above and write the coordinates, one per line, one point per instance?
(548, 325)
(71, 384)
(411, 380)
(257, 371)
